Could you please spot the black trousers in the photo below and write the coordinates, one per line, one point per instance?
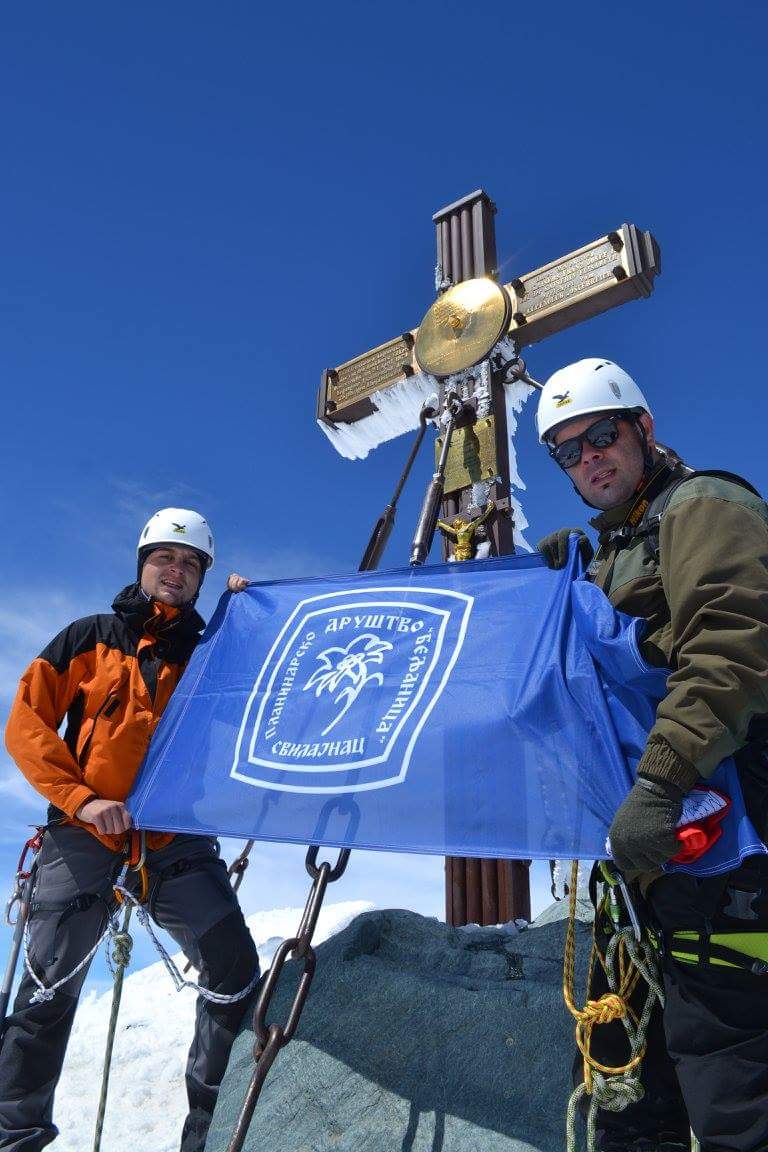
(190, 896)
(706, 1065)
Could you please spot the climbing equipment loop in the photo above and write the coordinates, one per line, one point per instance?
(47, 992)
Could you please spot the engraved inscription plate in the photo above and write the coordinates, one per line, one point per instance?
(471, 456)
(610, 271)
(368, 373)
(566, 278)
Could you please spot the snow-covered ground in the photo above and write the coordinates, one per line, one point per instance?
(147, 1101)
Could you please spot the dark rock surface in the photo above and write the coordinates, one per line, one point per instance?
(417, 1037)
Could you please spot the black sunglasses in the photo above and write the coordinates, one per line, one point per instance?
(601, 434)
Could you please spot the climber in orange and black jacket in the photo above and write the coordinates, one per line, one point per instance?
(111, 676)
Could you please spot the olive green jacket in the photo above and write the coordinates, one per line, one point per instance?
(706, 603)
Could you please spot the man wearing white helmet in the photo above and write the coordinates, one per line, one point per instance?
(111, 676)
(688, 552)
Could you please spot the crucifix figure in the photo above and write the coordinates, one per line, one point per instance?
(467, 350)
(463, 533)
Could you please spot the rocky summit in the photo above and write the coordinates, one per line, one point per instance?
(417, 1037)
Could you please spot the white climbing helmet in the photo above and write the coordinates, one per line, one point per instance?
(586, 386)
(178, 526)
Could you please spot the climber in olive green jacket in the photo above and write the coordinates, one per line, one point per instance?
(688, 552)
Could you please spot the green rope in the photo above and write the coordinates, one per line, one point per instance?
(121, 957)
(615, 1093)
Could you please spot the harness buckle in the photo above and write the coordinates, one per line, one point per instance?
(626, 532)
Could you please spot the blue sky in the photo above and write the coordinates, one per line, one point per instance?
(204, 205)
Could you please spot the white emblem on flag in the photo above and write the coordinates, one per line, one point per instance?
(347, 687)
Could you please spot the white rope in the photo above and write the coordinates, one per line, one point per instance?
(174, 973)
(113, 931)
(47, 993)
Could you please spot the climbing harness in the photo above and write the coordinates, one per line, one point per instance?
(137, 860)
(629, 956)
(644, 518)
(745, 950)
(270, 1038)
(21, 897)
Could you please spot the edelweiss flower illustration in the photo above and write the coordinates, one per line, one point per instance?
(338, 665)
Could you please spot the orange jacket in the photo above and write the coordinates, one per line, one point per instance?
(111, 675)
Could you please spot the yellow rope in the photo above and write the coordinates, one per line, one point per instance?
(610, 1006)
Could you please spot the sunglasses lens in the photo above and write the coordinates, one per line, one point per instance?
(602, 434)
(568, 453)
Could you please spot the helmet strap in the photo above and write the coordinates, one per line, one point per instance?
(648, 459)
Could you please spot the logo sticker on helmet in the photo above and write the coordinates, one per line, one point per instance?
(562, 399)
(180, 528)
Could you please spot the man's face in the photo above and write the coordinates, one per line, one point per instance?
(171, 574)
(608, 477)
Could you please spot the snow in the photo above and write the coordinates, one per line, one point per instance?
(515, 395)
(147, 1099)
(397, 412)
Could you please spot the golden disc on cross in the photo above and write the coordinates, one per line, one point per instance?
(462, 327)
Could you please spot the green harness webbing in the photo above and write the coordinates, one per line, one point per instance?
(745, 950)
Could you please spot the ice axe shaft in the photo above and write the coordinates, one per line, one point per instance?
(18, 935)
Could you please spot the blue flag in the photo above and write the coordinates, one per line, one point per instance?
(489, 708)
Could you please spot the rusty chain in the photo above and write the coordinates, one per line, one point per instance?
(270, 1038)
(238, 866)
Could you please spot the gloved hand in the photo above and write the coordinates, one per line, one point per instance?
(554, 548)
(642, 834)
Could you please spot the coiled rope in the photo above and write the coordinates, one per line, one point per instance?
(626, 961)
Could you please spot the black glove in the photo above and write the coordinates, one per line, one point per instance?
(642, 834)
(554, 548)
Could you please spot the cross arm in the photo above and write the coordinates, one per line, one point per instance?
(612, 270)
